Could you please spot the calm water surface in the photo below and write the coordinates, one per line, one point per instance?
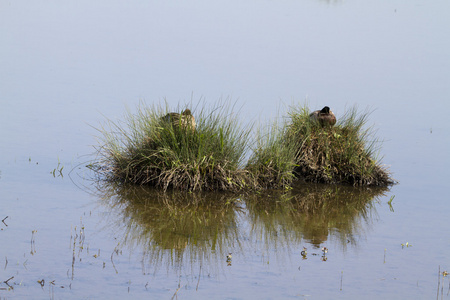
(64, 67)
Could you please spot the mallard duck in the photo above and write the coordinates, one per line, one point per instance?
(325, 117)
(185, 119)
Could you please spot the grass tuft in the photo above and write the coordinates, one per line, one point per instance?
(148, 149)
(273, 160)
(345, 153)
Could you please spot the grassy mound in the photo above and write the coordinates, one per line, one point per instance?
(149, 149)
(302, 149)
(345, 153)
(164, 150)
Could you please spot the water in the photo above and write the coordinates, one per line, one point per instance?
(66, 66)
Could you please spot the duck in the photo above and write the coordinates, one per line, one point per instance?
(325, 117)
(185, 119)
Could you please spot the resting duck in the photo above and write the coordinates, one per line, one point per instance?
(185, 119)
(324, 117)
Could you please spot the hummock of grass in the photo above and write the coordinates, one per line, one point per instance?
(345, 153)
(146, 149)
(273, 160)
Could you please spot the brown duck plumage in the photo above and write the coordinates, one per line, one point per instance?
(185, 119)
(325, 117)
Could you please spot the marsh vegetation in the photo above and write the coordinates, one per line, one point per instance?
(346, 153)
(166, 152)
(206, 152)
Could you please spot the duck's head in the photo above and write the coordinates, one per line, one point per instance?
(325, 110)
(187, 112)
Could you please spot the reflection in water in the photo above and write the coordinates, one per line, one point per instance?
(313, 212)
(174, 227)
(192, 230)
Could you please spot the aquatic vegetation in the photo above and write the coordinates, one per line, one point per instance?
(206, 152)
(391, 208)
(273, 160)
(307, 147)
(58, 168)
(407, 245)
(171, 150)
(390, 200)
(345, 153)
(441, 283)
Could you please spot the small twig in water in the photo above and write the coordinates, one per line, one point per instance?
(6, 262)
(342, 275)
(175, 293)
(113, 261)
(41, 282)
(448, 289)
(439, 281)
(199, 273)
(33, 243)
(6, 281)
(4, 221)
(390, 203)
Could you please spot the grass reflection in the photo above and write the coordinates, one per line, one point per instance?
(199, 230)
(175, 227)
(313, 213)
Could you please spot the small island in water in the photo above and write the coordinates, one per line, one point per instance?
(204, 150)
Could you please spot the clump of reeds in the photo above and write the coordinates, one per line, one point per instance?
(273, 160)
(148, 149)
(345, 153)
(164, 150)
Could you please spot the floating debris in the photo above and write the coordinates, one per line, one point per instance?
(407, 245)
(304, 252)
(41, 282)
(229, 259)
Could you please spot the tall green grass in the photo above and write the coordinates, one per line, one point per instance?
(146, 149)
(345, 153)
(273, 159)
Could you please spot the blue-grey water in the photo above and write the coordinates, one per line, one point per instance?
(67, 66)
